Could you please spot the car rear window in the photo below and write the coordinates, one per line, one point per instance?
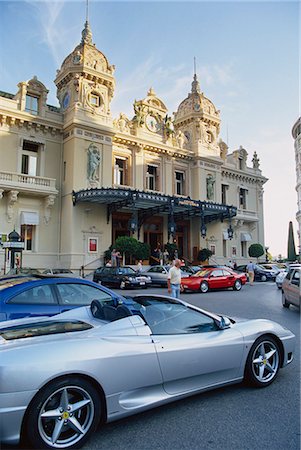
(42, 329)
(6, 283)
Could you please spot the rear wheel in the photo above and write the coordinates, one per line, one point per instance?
(63, 414)
(263, 362)
(204, 287)
(285, 303)
(237, 285)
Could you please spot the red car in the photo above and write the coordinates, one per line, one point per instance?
(215, 278)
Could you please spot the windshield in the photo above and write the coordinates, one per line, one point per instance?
(126, 271)
(202, 273)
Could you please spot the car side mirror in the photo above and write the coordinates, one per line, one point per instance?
(224, 323)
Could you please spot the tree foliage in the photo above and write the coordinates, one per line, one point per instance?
(204, 254)
(256, 250)
(291, 249)
(130, 247)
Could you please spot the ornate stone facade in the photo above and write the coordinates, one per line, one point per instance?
(49, 154)
(296, 132)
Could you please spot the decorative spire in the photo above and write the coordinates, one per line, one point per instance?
(195, 85)
(87, 33)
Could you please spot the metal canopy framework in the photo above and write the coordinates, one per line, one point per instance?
(143, 205)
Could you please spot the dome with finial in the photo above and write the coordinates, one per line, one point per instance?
(196, 103)
(85, 58)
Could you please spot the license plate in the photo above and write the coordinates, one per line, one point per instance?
(142, 283)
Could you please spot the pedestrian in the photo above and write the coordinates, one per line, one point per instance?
(174, 279)
(165, 256)
(114, 258)
(251, 272)
(118, 258)
(234, 265)
(139, 266)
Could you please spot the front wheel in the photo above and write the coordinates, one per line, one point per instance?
(237, 285)
(263, 362)
(63, 414)
(285, 303)
(122, 285)
(263, 277)
(204, 287)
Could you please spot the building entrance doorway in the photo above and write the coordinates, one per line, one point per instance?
(153, 235)
(120, 225)
(183, 239)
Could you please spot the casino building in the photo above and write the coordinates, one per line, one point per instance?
(73, 179)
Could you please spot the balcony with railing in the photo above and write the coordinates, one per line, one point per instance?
(27, 183)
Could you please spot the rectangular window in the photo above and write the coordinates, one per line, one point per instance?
(180, 179)
(224, 194)
(212, 248)
(94, 100)
(120, 169)
(242, 198)
(151, 178)
(29, 162)
(243, 249)
(224, 248)
(31, 105)
(233, 251)
(27, 233)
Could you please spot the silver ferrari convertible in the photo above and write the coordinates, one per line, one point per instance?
(61, 376)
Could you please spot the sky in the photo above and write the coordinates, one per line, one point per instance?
(247, 62)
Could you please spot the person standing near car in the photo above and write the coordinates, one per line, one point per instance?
(174, 279)
(251, 272)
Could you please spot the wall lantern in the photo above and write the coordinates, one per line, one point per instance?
(230, 232)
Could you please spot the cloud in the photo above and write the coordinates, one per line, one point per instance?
(53, 30)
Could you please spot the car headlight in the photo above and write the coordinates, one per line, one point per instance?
(148, 278)
(130, 278)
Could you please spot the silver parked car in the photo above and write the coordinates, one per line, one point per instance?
(159, 274)
(62, 376)
(291, 288)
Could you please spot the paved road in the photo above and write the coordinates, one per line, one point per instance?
(236, 417)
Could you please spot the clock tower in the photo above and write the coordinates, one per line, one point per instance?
(85, 83)
(199, 120)
(85, 87)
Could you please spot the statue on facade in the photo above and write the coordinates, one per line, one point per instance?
(93, 163)
(168, 126)
(210, 181)
(255, 161)
(180, 139)
(139, 114)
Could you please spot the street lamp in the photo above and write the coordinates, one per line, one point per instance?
(203, 230)
(230, 232)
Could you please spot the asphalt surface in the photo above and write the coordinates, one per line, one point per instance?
(236, 417)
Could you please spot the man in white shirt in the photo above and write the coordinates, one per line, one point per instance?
(174, 279)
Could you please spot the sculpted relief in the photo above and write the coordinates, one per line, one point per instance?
(93, 163)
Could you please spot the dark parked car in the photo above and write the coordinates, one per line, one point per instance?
(260, 273)
(46, 295)
(121, 277)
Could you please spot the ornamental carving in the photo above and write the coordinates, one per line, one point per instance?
(48, 205)
(122, 123)
(93, 163)
(11, 200)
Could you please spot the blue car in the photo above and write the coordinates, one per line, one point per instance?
(28, 296)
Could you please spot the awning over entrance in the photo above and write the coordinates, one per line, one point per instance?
(146, 204)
